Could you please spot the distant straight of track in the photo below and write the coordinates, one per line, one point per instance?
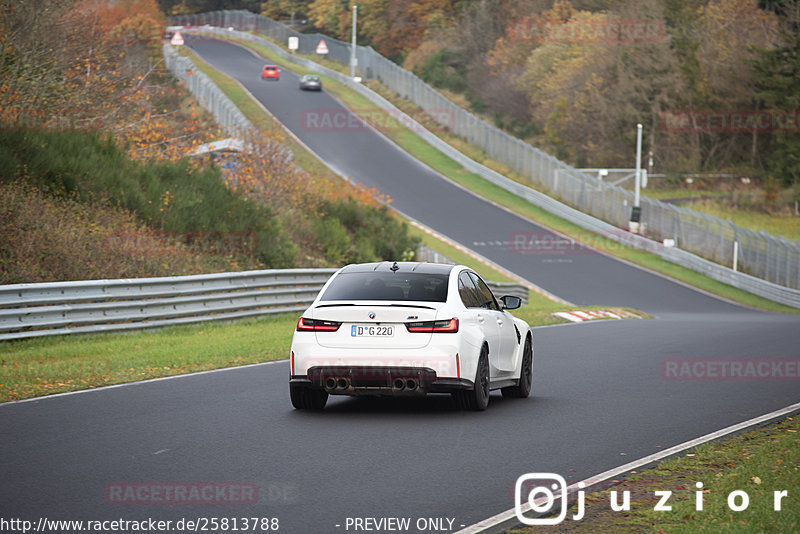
(605, 393)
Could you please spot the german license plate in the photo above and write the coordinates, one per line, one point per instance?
(371, 331)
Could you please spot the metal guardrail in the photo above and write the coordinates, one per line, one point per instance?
(207, 93)
(424, 253)
(43, 309)
(509, 288)
(557, 172)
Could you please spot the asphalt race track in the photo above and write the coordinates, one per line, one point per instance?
(602, 393)
(366, 157)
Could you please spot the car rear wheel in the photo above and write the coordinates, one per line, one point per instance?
(305, 398)
(523, 388)
(477, 399)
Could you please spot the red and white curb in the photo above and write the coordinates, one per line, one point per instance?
(581, 316)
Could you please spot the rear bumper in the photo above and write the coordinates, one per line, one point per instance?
(368, 380)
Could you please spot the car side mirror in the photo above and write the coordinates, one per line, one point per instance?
(510, 302)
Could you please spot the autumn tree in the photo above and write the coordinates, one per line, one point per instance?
(31, 60)
(776, 77)
(285, 9)
(589, 90)
(188, 7)
(331, 17)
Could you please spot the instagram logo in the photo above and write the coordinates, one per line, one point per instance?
(542, 490)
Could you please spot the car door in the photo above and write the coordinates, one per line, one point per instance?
(476, 316)
(502, 354)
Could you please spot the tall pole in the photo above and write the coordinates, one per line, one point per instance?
(353, 44)
(638, 164)
(634, 225)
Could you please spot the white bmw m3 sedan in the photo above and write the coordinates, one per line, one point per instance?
(408, 328)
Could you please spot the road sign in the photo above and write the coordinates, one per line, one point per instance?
(294, 43)
(322, 48)
(177, 39)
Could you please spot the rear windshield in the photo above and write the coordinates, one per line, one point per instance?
(388, 286)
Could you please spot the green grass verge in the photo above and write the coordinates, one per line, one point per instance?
(787, 226)
(781, 222)
(758, 462)
(43, 366)
(417, 147)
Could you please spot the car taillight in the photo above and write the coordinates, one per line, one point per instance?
(429, 327)
(316, 325)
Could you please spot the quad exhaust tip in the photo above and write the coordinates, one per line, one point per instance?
(401, 384)
(334, 383)
(340, 383)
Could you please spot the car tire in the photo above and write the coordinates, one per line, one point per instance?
(306, 398)
(477, 398)
(523, 388)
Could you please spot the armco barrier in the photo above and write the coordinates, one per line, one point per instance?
(763, 288)
(33, 310)
(207, 93)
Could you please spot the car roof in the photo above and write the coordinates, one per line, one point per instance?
(270, 66)
(402, 267)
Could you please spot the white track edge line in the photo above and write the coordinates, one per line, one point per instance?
(511, 513)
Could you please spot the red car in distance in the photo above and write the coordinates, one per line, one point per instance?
(270, 72)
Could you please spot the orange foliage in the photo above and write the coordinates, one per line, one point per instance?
(266, 172)
(71, 64)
